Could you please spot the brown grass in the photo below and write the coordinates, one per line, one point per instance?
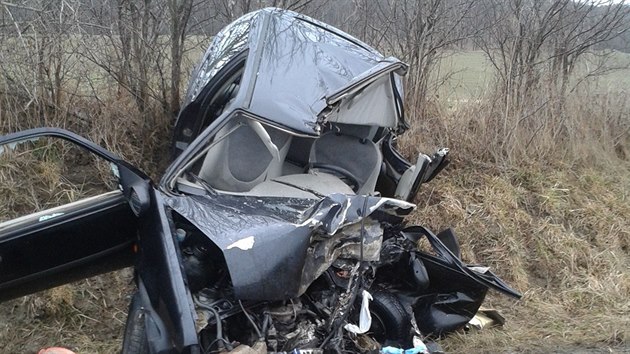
(86, 316)
(540, 195)
(582, 129)
(551, 216)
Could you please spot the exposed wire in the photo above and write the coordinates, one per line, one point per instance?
(251, 320)
(219, 325)
(294, 311)
(363, 215)
(209, 348)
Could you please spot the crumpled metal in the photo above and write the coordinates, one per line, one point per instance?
(290, 240)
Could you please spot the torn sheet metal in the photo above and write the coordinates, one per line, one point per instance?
(443, 292)
(339, 210)
(292, 240)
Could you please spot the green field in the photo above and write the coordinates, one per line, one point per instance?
(471, 74)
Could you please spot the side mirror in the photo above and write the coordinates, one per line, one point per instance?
(437, 163)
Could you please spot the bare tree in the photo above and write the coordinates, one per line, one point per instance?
(529, 35)
(419, 32)
(534, 47)
(36, 70)
(144, 49)
(180, 14)
(582, 26)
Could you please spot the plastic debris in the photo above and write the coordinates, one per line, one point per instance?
(419, 348)
(486, 318)
(419, 345)
(394, 350)
(479, 269)
(365, 318)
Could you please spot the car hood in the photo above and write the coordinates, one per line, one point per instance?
(299, 72)
(270, 237)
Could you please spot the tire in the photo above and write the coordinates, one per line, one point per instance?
(135, 340)
(390, 320)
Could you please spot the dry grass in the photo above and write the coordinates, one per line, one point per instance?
(582, 129)
(87, 317)
(541, 196)
(551, 216)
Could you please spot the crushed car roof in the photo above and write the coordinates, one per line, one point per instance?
(298, 72)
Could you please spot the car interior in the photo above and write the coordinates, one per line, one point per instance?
(247, 157)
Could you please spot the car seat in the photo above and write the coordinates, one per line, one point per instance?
(246, 154)
(360, 157)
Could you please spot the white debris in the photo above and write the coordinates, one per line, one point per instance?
(245, 244)
(365, 318)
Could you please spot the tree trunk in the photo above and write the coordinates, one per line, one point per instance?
(180, 13)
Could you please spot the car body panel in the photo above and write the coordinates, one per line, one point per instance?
(81, 241)
(159, 269)
(263, 237)
(296, 64)
(69, 242)
(296, 68)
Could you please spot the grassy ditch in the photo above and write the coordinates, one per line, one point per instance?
(560, 236)
(549, 211)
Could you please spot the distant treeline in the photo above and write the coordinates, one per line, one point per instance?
(209, 16)
(61, 59)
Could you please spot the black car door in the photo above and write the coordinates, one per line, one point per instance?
(68, 210)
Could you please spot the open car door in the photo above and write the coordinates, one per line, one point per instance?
(401, 179)
(70, 209)
(65, 210)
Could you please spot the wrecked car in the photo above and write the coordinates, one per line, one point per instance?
(280, 224)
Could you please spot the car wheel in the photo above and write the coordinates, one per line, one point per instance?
(390, 320)
(135, 340)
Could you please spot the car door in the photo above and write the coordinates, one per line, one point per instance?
(401, 179)
(68, 210)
